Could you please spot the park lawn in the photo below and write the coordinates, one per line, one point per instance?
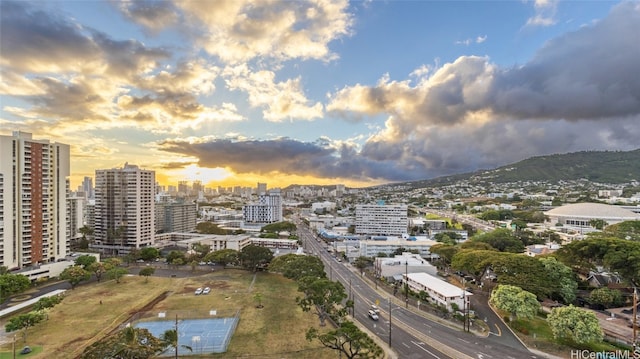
(276, 330)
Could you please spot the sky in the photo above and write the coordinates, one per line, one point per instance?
(319, 92)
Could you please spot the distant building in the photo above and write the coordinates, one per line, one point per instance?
(578, 216)
(371, 248)
(34, 185)
(261, 189)
(392, 268)
(176, 217)
(381, 220)
(267, 210)
(124, 209)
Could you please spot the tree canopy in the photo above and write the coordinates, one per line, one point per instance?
(574, 323)
(223, 256)
(322, 295)
(501, 239)
(74, 275)
(519, 303)
(254, 257)
(349, 340)
(128, 343)
(295, 266)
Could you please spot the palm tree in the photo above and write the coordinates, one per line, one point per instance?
(170, 338)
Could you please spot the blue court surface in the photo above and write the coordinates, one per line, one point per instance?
(210, 335)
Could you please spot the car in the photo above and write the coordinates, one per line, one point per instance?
(375, 308)
(373, 315)
(206, 290)
(198, 291)
(25, 350)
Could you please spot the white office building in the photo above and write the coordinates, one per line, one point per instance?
(124, 209)
(34, 185)
(267, 210)
(381, 220)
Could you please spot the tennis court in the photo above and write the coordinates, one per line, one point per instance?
(207, 335)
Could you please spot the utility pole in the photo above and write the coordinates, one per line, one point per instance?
(177, 337)
(406, 284)
(634, 324)
(389, 321)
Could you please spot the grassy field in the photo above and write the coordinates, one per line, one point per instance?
(277, 330)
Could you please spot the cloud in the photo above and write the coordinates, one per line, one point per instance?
(469, 41)
(283, 100)
(320, 159)
(545, 13)
(154, 16)
(575, 94)
(241, 30)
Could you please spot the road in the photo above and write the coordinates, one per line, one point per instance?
(414, 335)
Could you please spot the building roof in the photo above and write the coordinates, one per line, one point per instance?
(437, 285)
(593, 210)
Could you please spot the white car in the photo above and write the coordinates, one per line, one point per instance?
(373, 315)
(375, 309)
(198, 291)
(206, 290)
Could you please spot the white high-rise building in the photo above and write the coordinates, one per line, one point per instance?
(34, 185)
(124, 209)
(267, 210)
(261, 189)
(381, 220)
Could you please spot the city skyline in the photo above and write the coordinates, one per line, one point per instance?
(358, 93)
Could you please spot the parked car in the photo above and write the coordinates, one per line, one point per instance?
(199, 291)
(206, 290)
(373, 315)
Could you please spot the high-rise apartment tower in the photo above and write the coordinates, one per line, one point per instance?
(34, 185)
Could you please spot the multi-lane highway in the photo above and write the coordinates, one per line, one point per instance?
(408, 331)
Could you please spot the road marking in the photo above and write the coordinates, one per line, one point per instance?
(499, 331)
(482, 355)
(419, 346)
(406, 345)
(466, 341)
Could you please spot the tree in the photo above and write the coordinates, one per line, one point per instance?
(362, 262)
(562, 279)
(146, 272)
(85, 260)
(501, 239)
(98, 269)
(47, 302)
(519, 303)
(254, 257)
(606, 297)
(128, 343)
(223, 256)
(149, 253)
(201, 249)
(445, 251)
(349, 340)
(173, 255)
(295, 267)
(598, 223)
(258, 298)
(24, 321)
(13, 283)
(116, 273)
(323, 295)
(574, 323)
(75, 275)
(170, 338)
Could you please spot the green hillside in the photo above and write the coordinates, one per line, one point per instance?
(595, 166)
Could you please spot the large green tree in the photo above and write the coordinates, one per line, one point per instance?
(323, 296)
(517, 302)
(147, 272)
(98, 269)
(349, 340)
(85, 260)
(294, 266)
(149, 253)
(24, 321)
(223, 257)
(606, 297)
(13, 283)
(502, 239)
(74, 275)
(562, 278)
(574, 323)
(254, 257)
